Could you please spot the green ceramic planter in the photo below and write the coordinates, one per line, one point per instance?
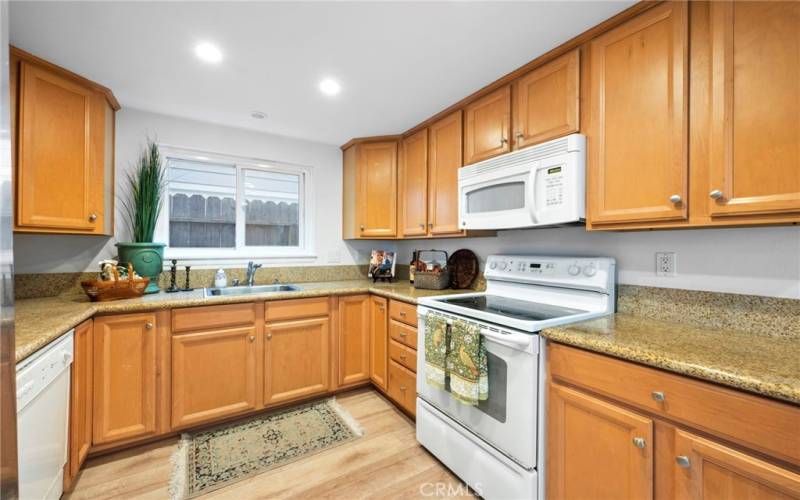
(147, 260)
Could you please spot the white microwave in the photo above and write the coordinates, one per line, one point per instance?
(543, 185)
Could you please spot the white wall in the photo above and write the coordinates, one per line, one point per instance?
(758, 261)
(52, 253)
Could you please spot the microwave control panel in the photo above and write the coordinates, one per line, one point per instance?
(553, 186)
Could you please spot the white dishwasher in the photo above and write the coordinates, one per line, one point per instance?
(42, 420)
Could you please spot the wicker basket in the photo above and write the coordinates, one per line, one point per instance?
(105, 290)
(430, 280)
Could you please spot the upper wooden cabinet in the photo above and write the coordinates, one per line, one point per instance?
(638, 135)
(754, 148)
(487, 126)
(64, 149)
(414, 184)
(444, 160)
(370, 190)
(546, 101)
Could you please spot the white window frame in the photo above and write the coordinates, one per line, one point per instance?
(241, 253)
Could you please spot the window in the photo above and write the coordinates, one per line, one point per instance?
(222, 207)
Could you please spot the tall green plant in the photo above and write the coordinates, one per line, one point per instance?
(145, 194)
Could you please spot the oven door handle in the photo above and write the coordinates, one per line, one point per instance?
(515, 340)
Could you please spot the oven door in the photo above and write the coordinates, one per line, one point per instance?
(507, 420)
(492, 202)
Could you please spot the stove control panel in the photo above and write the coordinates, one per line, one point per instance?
(574, 272)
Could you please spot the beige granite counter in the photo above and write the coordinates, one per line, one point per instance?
(764, 364)
(40, 321)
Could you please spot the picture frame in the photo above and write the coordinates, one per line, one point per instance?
(382, 265)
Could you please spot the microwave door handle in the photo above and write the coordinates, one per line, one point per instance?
(511, 340)
(532, 200)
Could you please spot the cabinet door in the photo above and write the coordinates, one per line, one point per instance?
(443, 164)
(124, 377)
(377, 171)
(213, 374)
(296, 359)
(638, 164)
(707, 470)
(402, 387)
(487, 127)
(546, 101)
(80, 409)
(596, 449)
(414, 184)
(353, 339)
(59, 184)
(755, 136)
(378, 340)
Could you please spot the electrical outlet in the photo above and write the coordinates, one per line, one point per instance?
(665, 264)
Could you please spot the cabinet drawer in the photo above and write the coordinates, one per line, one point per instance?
(405, 313)
(213, 317)
(294, 309)
(402, 333)
(752, 421)
(402, 387)
(403, 355)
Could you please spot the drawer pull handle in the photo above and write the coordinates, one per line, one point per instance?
(683, 461)
(402, 356)
(402, 314)
(658, 395)
(638, 442)
(403, 334)
(402, 388)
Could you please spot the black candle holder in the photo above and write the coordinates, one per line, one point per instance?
(173, 278)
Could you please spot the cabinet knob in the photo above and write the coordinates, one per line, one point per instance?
(638, 442)
(716, 194)
(148, 326)
(503, 141)
(402, 314)
(683, 461)
(402, 356)
(252, 338)
(402, 388)
(92, 217)
(520, 136)
(422, 225)
(430, 225)
(658, 395)
(269, 336)
(362, 227)
(675, 198)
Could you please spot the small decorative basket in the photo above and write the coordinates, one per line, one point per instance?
(433, 280)
(115, 289)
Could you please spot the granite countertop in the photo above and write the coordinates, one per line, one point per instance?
(762, 364)
(41, 321)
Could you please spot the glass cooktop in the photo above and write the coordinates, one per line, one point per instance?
(513, 308)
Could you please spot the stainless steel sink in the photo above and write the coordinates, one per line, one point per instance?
(248, 290)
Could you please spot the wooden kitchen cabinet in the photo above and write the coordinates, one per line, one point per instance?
(296, 359)
(378, 340)
(638, 132)
(487, 126)
(413, 196)
(354, 338)
(370, 190)
(546, 101)
(596, 449)
(80, 402)
(125, 376)
(402, 387)
(214, 374)
(705, 469)
(754, 146)
(63, 128)
(444, 160)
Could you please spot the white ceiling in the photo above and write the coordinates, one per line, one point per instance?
(398, 62)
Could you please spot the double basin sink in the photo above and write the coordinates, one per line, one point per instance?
(248, 290)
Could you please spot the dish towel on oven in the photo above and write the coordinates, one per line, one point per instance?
(435, 349)
(467, 364)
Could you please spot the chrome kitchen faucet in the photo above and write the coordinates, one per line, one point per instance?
(251, 272)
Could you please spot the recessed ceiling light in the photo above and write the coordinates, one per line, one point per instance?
(258, 115)
(329, 86)
(208, 52)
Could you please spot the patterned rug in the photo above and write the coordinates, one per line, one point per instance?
(210, 459)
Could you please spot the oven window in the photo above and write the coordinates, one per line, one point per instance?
(495, 405)
(497, 198)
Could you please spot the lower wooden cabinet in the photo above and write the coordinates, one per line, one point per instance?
(296, 359)
(353, 341)
(596, 449)
(402, 387)
(213, 375)
(80, 402)
(125, 366)
(378, 340)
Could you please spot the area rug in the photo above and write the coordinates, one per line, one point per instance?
(210, 459)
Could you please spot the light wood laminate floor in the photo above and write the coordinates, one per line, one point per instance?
(387, 462)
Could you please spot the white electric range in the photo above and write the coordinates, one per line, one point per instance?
(497, 447)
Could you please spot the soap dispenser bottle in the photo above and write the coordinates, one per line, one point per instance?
(220, 279)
